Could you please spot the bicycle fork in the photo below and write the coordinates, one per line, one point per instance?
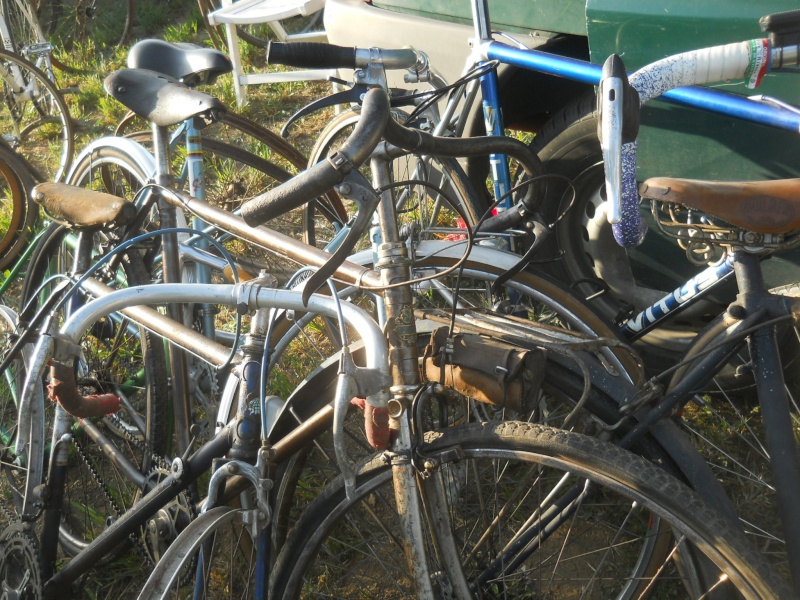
(773, 400)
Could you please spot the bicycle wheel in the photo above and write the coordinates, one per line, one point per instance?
(423, 212)
(79, 28)
(116, 457)
(34, 119)
(535, 512)
(17, 213)
(560, 388)
(528, 296)
(240, 158)
(111, 169)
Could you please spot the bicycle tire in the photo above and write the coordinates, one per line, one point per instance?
(334, 531)
(241, 159)
(418, 204)
(271, 143)
(560, 384)
(34, 118)
(120, 358)
(77, 28)
(539, 296)
(271, 140)
(18, 213)
(216, 37)
(39, 263)
(303, 476)
(111, 169)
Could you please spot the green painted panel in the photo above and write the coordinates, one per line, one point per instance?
(520, 16)
(643, 31)
(691, 143)
(682, 142)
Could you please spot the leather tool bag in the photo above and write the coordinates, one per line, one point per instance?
(484, 369)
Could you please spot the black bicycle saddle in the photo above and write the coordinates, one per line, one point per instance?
(161, 99)
(188, 63)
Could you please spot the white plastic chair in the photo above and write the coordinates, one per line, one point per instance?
(271, 12)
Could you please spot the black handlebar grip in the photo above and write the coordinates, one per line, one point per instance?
(289, 195)
(324, 175)
(783, 27)
(781, 22)
(311, 55)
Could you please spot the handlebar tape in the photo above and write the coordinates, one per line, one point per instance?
(311, 55)
(324, 175)
(742, 60)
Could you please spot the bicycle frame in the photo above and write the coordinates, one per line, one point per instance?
(405, 382)
(757, 309)
(185, 471)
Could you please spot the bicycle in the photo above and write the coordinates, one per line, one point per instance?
(752, 317)
(700, 209)
(735, 558)
(213, 527)
(582, 246)
(122, 167)
(743, 471)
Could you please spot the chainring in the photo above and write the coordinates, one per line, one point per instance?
(20, 573)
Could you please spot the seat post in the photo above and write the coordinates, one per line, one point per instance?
(172, 274)
(747, 267)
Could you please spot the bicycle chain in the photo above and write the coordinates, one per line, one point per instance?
(135, 540)
(156, 462)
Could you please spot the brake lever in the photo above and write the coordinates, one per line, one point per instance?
(353, 187)
(618, 123)
(352, 96)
